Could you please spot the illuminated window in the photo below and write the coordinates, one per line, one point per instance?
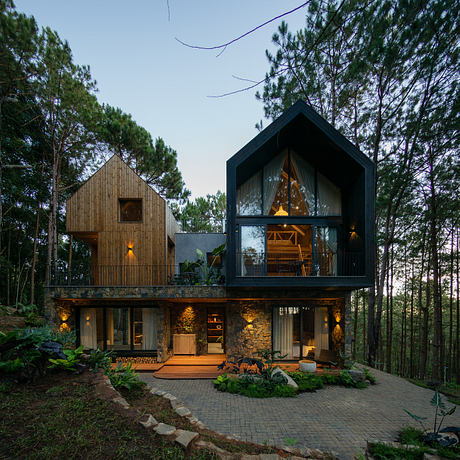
(130, 210)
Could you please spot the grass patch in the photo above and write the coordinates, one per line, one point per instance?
(417, 447)
(60, 417)
(450, 390)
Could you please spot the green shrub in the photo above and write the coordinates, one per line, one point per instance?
(384, 452)
(412, 436)
(99, 359)
(124, 376)
(369, 377)
(306, 381)
(71, 363)
(330, 379)
(254, 386)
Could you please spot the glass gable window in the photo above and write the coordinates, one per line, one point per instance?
(249, 197)
(288, 186)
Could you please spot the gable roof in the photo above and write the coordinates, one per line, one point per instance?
(302, 126)
(117, 160)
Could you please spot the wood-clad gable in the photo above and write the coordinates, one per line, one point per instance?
(124, 253)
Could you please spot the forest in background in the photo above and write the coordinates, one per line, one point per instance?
(384, 73)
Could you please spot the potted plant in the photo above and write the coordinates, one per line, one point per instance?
(307, 365)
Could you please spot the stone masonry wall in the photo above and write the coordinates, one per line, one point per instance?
(191, 319)
(249, 329)
(164, 332)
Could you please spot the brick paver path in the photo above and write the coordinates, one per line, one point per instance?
(333, 419)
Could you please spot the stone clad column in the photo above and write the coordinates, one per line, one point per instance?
(348, 325)
(249, 329)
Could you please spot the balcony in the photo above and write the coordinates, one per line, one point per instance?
(129, 275)
(289, 264)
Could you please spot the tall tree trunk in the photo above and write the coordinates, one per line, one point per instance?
(364, 326)
(411, 326)
(402, 348)
(355, 324)
(437, 308)
(457, 338)
(450, 355)
(69, 265)
(34, 256)
(8, 273)
(425, 322)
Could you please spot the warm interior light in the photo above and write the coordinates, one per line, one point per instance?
(281, 211)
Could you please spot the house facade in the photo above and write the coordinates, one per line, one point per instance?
(299, 239)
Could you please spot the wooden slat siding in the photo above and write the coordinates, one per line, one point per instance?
(94, 208)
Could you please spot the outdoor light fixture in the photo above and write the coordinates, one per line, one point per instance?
(281, 211)
(130, 249)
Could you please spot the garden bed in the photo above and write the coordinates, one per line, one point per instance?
(60, 416)
(161, 409)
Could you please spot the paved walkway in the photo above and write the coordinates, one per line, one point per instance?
(333, 419)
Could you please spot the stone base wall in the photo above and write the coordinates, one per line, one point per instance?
(249, 329)
(164, 333)
(191, 319)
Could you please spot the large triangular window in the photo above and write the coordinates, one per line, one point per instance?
(288, 186)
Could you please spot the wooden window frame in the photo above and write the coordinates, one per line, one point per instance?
(120, 200)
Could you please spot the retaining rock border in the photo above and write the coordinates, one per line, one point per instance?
(191, 439)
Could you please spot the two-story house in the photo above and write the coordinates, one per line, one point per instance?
(299, 239)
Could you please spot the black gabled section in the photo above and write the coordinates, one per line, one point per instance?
(303, 130)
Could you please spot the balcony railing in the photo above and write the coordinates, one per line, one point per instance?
(252, 264)
(126, 275)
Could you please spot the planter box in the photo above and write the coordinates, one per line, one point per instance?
(184, 344)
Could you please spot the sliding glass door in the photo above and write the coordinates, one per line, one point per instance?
(119, 328)
(300, 331)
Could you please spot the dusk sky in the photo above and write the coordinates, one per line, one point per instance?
(141, 68)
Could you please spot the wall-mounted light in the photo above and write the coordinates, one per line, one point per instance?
(130, 249)
(353, 234)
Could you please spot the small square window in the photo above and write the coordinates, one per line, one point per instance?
(130, 210)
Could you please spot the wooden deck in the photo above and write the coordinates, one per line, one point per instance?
(200, 367)
(191, 367)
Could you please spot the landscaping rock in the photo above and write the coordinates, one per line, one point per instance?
(165, 430)
(427, 456)
(184, 437)
(269, 456)
(151, 421)
(211, 447)
(175, 403)
(160, 393)
(169, 396)
(183, 411)
(357, 375)
(121, 401)
(290, 382)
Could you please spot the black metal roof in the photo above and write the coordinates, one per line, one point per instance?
(304, 130)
